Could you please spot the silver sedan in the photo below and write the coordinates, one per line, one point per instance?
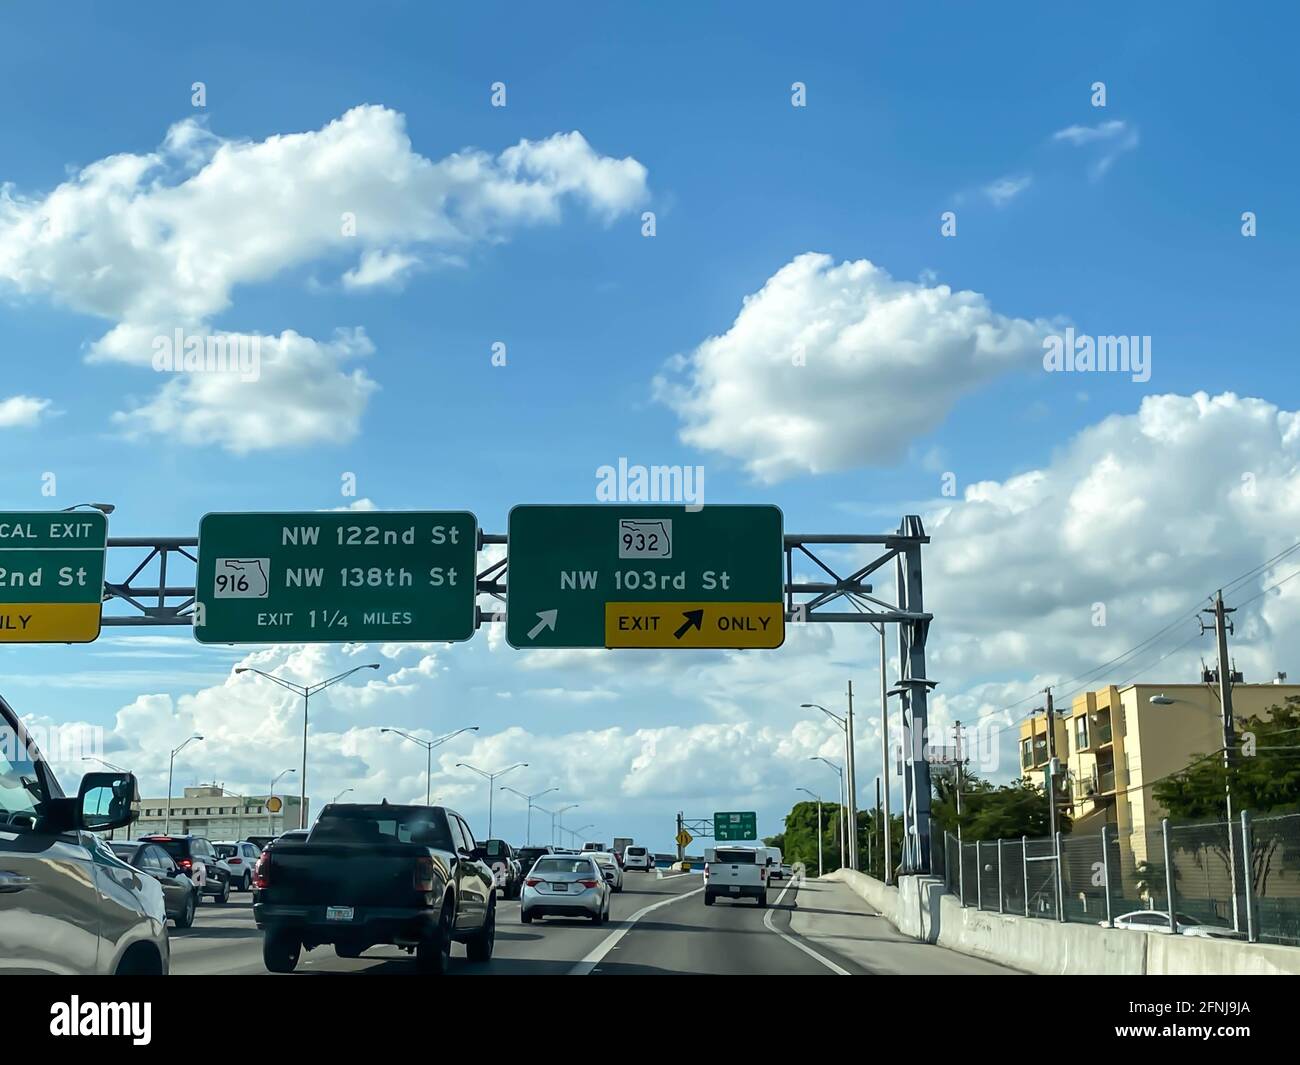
(565, 886)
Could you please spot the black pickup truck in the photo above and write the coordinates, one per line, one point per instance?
(366, 874)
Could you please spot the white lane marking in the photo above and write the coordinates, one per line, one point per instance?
(584, 967)
(767, 923)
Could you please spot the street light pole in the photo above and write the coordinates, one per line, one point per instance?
(306, 691)
(529, 798)
(846, 727)
(270, 817)
(491, 778)
(428, 746)
(171, 764)
(819, 829)
(840, 773)
(557, 813)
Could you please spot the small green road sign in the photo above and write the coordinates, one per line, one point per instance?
(319, 577)
(52, 576)
(734, 826)
(628, 575)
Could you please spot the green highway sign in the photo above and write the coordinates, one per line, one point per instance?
(628, 575)
(52, 576)
(326, 577)
(734, 826)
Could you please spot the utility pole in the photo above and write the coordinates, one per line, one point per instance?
(681, 851)
(956, 734)
(1049, 775)
(852, 784)
(1222, 626)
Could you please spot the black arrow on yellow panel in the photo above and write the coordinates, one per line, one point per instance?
(694, 620)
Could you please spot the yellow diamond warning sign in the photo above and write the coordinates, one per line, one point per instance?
(716, 625)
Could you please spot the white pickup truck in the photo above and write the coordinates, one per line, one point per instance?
(736, 873)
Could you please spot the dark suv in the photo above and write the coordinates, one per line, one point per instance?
(507, 871)
(199, 861)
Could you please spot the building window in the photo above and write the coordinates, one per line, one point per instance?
(1081, 732)
(1026, 754)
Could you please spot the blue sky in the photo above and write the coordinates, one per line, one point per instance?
(909, 114)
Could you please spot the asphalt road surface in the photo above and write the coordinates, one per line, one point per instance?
(656, 926)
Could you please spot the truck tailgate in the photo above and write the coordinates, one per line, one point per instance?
(331, 874)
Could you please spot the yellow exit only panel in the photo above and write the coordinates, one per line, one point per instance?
(706, 625)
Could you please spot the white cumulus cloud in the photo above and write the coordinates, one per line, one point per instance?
(831, 366)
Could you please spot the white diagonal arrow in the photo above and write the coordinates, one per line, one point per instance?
(545, 620)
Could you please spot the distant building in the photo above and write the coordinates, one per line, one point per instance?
(209, 810)
(1114, 744)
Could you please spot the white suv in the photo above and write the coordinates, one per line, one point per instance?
(638, 858)
(239, 857)
(736, 873)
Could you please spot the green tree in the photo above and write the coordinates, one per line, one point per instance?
(993, 811)
(1264, 778)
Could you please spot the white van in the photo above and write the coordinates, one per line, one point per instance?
(775, 868)
(737, 873)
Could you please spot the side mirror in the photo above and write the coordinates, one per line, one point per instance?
(104, 801)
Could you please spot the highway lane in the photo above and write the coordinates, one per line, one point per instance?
(658, 925)
(224, 939)
(729, 938)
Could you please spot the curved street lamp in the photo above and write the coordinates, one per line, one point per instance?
(428, 746)
(306, 691)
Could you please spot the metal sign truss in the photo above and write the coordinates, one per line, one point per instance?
(806, 600)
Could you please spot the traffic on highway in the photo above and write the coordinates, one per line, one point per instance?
(626, 489)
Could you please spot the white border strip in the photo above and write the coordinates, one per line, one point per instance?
(584, 967)
(767, 923)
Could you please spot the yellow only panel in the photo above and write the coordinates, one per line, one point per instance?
(716, 625)
(49, 622)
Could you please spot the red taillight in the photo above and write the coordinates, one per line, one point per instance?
(532, 881)
(234, 861)
(762, 874)
(424, 874)
(186, 864)
(588, 883)
(260, 879)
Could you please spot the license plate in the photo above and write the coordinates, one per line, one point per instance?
(735, 889)
(338, 913)
(559, 887)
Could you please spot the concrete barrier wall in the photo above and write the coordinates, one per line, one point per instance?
(919, 907)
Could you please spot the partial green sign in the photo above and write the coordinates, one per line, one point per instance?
(318, 577)
(52, 576)
(630, 575)
(735, 826)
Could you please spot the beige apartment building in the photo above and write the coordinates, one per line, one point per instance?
(211, 811)
(1115, 743)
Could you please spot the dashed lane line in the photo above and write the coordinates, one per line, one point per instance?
(596, 956)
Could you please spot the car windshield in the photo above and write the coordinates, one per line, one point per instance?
(636, 852)
(531, 854)
(736, 857)
(225, 850)
(363, 825)
(563, 865)
(177, 848)
(125, 851)
(494, 848)
(20, 789)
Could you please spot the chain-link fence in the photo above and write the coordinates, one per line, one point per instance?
(1136, 880)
